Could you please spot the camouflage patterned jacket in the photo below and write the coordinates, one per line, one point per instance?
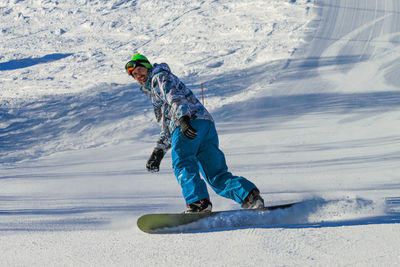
(171, 100)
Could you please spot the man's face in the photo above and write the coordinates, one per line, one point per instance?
(140, 74)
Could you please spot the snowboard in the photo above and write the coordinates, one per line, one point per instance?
(172, 222)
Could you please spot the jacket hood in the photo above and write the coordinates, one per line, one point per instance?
(158, 68)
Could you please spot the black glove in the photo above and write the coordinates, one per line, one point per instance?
(186, 128)
(153, 163)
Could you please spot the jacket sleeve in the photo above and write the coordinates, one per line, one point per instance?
(164, 143)
(171, 92)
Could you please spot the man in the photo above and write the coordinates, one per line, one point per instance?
(189, 129)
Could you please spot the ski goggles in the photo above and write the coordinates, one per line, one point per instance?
(131, 65)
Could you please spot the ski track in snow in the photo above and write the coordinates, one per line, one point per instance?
(311, 213)
(306, 101)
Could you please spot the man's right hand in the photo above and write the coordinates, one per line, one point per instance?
(187, 128)
(153, 163)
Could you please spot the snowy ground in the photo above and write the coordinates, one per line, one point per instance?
(306, 99)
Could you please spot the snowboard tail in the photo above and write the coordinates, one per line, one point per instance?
(157, 223)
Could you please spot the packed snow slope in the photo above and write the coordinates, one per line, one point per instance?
(306, 99)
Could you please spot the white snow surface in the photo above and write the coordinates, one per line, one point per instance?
(305, 94)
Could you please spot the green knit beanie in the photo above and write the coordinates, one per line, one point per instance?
(142, 60)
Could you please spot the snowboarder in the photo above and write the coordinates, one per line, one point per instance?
(188, 128)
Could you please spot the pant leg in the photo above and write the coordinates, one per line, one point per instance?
(214, 169)
(186, 165)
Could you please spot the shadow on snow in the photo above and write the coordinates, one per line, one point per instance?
(50, 118)
(72, 214)
(29, 62)
(275, 109)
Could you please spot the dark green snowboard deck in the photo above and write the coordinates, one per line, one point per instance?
(156, 223)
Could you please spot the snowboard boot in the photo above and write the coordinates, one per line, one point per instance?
(253, 200)
(203, 205)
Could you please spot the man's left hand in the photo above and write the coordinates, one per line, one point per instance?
(153, 163)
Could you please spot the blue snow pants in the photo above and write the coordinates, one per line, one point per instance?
(191, 156)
